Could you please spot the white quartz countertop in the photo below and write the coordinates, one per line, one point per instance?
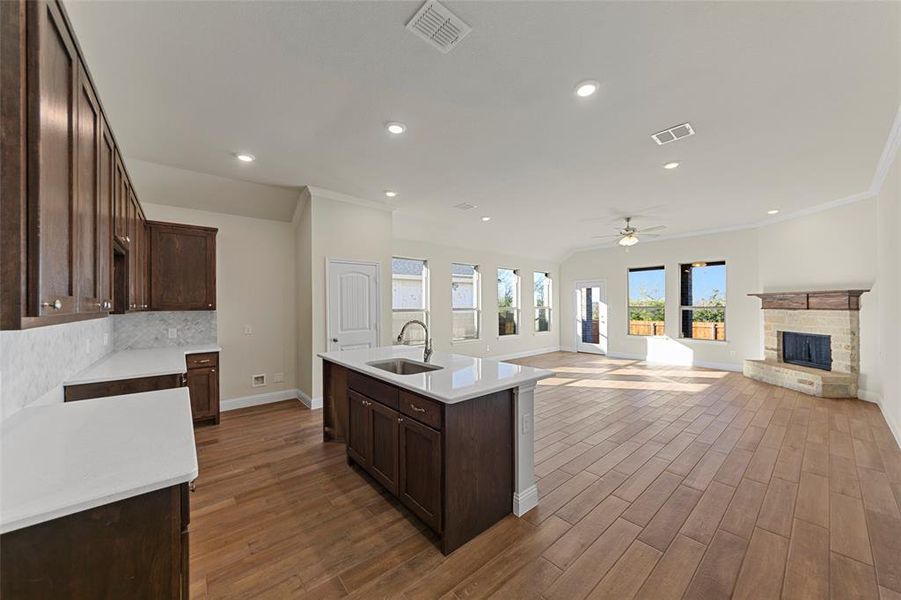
(131, 364)
(64, 458)
(461, 378)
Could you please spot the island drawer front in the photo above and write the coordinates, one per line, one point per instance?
(373, 388)
(423, 410)
(208, 359)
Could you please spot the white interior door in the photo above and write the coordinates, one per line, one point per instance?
(591, 317)
(353, 304)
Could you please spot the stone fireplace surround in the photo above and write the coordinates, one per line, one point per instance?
(832, 313)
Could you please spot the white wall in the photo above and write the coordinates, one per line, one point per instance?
(833, 249)
(743, 324)
(255, 267)
(440, 258)
(888, 224)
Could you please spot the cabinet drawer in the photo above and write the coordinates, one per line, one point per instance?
(423, 410)
(373, 388)
(210, 359)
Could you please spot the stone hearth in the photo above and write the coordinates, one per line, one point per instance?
(835, 314)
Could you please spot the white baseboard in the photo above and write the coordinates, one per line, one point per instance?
(311, 403)
(874, 397)
(525, 353)
(697, 363)
(258, 399)
(523, 503)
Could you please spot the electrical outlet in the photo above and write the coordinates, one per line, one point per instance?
(106, 339)
(87, 345)
(248, 330)
(258, 380)
(173, 333)
(278, 377)
(526, 423)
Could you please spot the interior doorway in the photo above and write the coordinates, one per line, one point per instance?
(591, 316)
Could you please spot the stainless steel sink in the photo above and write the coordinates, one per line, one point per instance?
(402, 366)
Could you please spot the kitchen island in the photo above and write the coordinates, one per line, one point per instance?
(451, 438)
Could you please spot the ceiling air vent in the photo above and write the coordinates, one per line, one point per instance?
(673, 133)
(465, 206)
(438, 26)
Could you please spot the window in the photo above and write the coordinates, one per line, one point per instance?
(465, 301)
(507, 302)
(647, 301)
(703, 299)
(542, 302)
(409, 297)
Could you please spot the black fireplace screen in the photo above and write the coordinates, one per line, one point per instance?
(807, 349)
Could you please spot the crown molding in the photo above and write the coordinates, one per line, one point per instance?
(317, 192)
(886, 159)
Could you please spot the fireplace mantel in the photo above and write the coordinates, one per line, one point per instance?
(812, 300)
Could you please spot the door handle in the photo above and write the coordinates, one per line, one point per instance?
(335, 340)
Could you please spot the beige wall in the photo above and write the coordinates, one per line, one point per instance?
(832, 249)
(341, 228)
(255, 286)
(743, 324)
(303, 232)
(441, 257)
(888, 210)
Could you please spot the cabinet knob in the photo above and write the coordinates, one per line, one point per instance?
(55, 305)
(400, 419)
(212, 370)
(209, 306)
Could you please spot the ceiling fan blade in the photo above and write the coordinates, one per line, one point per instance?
(654, 228)
(605, 237)
(641, 234)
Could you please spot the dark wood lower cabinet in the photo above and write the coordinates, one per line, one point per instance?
(451, 465)
(419, 485)
(134, 548)
(120, 387)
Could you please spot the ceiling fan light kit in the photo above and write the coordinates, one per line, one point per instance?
(629, 240)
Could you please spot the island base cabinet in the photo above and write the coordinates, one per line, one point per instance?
(451, 465)
(419, 486)
(134, 548)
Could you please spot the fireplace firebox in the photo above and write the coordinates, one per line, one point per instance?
(807, 350)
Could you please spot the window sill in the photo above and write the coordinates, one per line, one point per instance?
(656, 337)
(699, 341)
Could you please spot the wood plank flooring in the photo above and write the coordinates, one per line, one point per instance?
(655, 482)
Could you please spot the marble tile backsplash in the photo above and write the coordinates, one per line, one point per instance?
(34, 363)
(151, 329)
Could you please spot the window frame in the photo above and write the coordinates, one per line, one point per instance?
(426, 296)
(629, 305)
(684, 307)
(548, 303)
(516, 307)
(477, 297)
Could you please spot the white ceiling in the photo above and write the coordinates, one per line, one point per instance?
(792, 104)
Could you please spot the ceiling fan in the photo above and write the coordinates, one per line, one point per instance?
(628, 235)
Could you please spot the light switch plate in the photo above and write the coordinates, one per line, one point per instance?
(173, 333)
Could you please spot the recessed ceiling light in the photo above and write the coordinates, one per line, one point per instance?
(775, 211)
(486, 219)
(587, 88)
(244, 157)
(395, 127)
(671, 165)
(390, 194)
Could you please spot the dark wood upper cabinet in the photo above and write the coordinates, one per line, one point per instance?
(51, 195)
(182, 267)
(106, 197)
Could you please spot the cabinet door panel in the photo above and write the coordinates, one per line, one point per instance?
(384, 436)
(419, 483)
(358, 429)
(51, 202)
(87, 200)
(203, 386)
(106, 195)
(182, 267)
